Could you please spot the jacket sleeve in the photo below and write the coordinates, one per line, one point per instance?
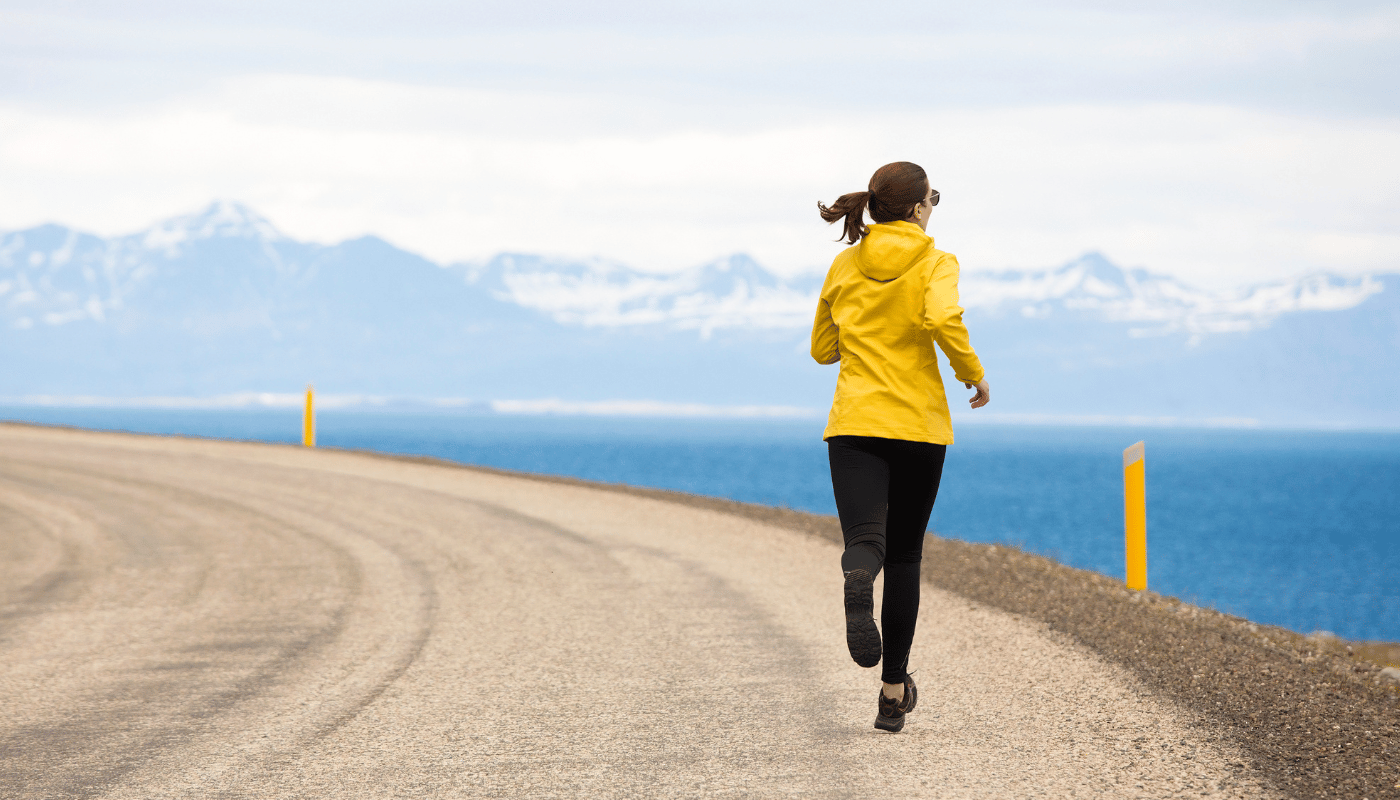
(943, 318)
(825, 335)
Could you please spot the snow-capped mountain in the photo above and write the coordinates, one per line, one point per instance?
(730, 292)
(221, 302)
(52, 275)
(55, 276)
(1160, 303)
(735, 292)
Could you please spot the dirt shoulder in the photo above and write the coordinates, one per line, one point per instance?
(1315, 719)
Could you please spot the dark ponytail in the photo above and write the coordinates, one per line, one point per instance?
(852, 207)
(894, 191)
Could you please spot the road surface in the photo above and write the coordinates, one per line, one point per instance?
(190, 618)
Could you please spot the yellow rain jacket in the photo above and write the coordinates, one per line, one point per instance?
(885, 302)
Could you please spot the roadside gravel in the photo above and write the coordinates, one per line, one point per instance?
(1315, 719)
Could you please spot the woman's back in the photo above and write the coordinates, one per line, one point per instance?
(885, 303)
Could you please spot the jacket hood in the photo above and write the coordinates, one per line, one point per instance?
(890, 249)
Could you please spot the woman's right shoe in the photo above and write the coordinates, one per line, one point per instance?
(890, 716)
(862, 637)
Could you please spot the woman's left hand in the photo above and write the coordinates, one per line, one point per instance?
(983, 396)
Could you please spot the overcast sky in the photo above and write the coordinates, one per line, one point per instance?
(1222, 143)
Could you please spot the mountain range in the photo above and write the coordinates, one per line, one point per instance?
(220, 304)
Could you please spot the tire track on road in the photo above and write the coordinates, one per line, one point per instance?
(182, 683)
(610, 621)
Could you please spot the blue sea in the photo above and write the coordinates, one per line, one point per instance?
(1299, 529)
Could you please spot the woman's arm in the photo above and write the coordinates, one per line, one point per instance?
(826, 335)
(943, 318)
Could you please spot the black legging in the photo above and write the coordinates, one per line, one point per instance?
(885, 490)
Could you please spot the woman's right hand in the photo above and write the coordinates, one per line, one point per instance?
(983, 396)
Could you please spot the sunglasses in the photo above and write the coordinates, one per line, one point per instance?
(933, 197)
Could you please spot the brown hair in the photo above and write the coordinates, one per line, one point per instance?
(893, 192)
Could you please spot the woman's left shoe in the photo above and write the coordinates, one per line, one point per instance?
(891, 712)
(862, 637)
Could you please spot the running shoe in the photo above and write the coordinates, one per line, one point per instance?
(890, 716)
(862, 637)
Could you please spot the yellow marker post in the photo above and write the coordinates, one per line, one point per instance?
(308, 423)
(1135, 515)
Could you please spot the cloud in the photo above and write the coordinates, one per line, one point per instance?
(1213, 195)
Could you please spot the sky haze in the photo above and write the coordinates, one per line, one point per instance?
(1220, 143)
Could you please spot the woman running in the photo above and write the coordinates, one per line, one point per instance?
(886, 301)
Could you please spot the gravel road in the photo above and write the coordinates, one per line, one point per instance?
(188, 618)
